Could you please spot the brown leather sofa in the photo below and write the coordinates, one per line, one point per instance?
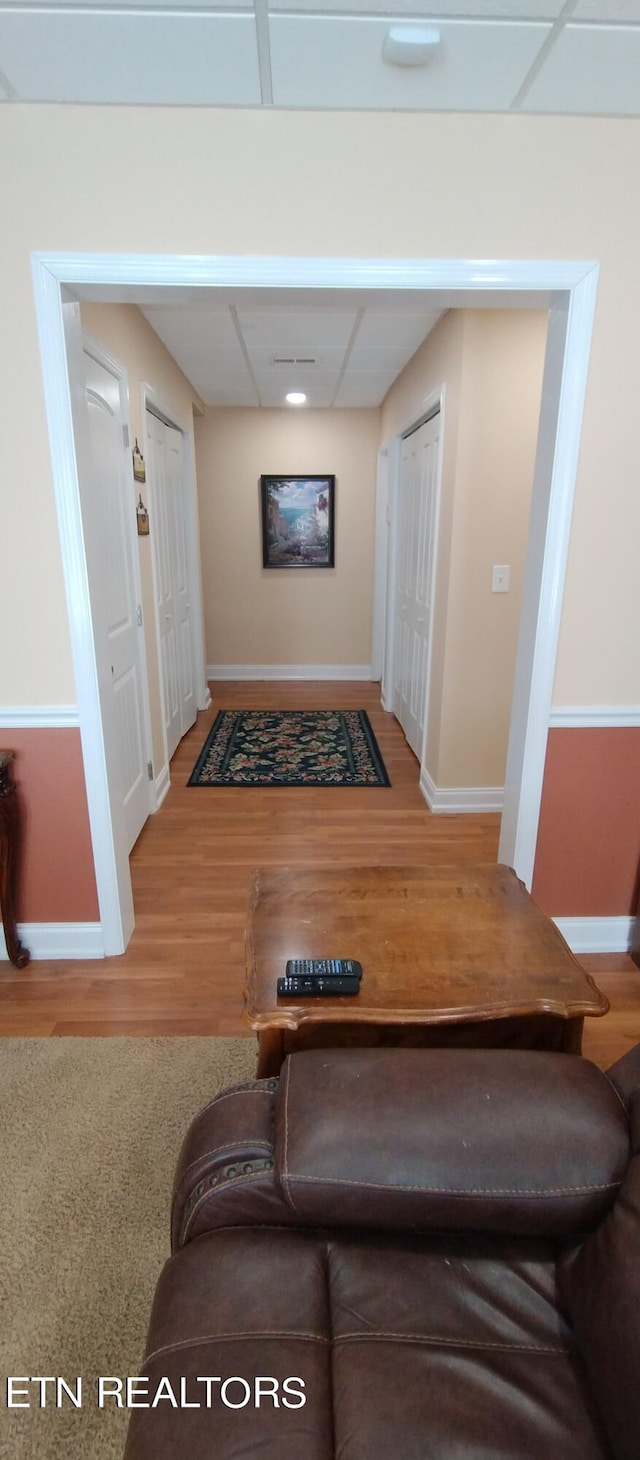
(438, 1251)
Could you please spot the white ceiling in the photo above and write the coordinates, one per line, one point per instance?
(227, 339)
(580, 56)
(251, 353)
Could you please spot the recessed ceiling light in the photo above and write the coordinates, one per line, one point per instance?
(296, 398)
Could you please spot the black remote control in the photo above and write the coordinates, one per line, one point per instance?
(314, 986)
(323, 968)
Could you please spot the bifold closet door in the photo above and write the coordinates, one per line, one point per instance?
(416, 508)
(162, 525)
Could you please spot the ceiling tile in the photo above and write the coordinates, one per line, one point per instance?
(325, 359)
(364, 388)
(396, 328)
(337, 62)
(496, 9)
(593, 69)
(136, 5)
(140, 57)
(225, 389)
(204, 328)
(205, 345)
(393, 359)
(608, 11)
(288, 332)
(319, 392)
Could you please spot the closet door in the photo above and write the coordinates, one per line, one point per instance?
(167, 618)
(417, 497)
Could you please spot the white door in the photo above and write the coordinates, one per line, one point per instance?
(114, 504)
(415, 563)
(165, 456)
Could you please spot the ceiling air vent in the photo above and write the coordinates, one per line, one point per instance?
(294, 360)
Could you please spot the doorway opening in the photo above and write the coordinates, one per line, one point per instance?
(567, 289)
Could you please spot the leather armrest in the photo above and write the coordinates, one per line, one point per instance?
(225, 1173)
(625, 1075)
(600, 1290)
(509, 1141)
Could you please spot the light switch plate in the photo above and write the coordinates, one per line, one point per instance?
(500, 578)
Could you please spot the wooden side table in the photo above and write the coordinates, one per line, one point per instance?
(10, 857)
(451, 955)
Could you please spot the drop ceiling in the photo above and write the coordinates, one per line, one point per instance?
(249, 353)
(531, 56)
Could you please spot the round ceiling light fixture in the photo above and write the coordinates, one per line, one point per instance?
(295, 398)
(410, 45)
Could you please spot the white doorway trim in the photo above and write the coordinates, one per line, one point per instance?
(557, 461)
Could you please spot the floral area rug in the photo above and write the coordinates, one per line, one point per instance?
(290, 748)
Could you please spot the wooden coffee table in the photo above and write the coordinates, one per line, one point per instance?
(450, 955)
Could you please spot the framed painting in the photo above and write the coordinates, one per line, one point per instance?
(298, 515)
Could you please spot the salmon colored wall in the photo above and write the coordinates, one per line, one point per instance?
(58, 883)
(588, 852)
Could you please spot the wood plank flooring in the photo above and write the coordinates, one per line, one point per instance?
(183, 971)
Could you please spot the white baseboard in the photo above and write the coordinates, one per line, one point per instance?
(59, 940)
(38, 717)
(451, 799)
(596, 935)
(289, 671)
(161, 785)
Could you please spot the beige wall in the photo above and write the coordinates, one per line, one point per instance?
(125, 333)
(256, 615)
(499, 413)
(332, 184)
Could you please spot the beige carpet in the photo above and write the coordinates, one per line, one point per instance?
(91, 1129)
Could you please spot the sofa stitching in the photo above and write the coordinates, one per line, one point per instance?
(617, 1095)
(526, 1348)
(473, 1191)
(260, 1088)
(284, 1174)
(170, 1348)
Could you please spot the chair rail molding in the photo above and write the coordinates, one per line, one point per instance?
(39, 717)
(582, 717)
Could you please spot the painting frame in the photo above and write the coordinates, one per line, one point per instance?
(293, 511)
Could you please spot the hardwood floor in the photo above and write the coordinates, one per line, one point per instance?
(183, 972)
